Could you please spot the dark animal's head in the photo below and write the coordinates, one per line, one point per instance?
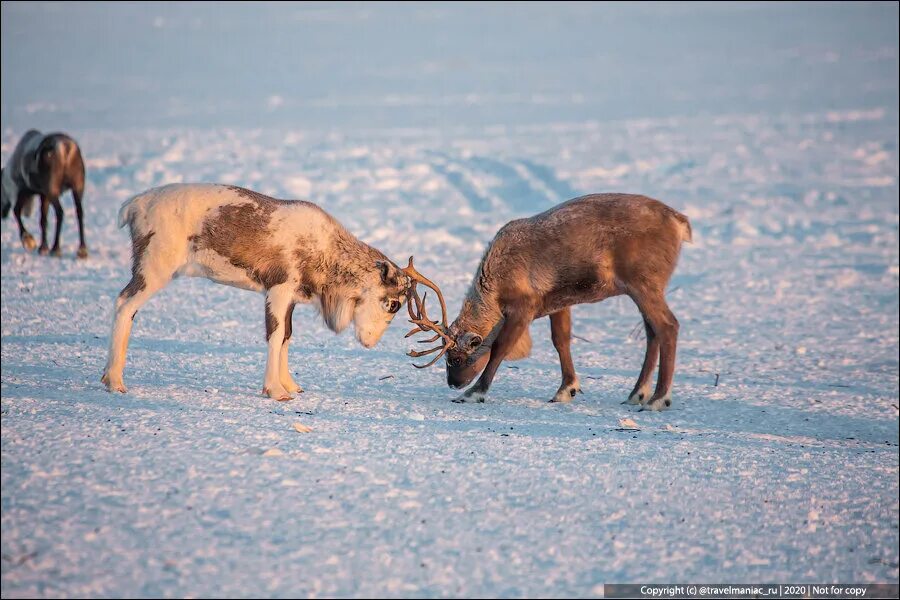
(468, 357)
(466, 344)
(472, 335)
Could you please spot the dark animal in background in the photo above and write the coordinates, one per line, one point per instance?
(48, 166)
(584, 250)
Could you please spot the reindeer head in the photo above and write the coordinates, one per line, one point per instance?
(466, 351)
(468, 358)
(379, 302)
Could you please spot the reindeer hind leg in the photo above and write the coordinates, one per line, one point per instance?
(132, 297)
(641, 390)
(150, 272)
(57, 209)
(77, 194)
(665, 327)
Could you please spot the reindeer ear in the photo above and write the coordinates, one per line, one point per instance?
(471, 341)
(388, 276)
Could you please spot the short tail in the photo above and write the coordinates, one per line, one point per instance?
(127, 211)
(685, 226)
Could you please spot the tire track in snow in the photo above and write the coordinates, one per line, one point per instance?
(521, 186)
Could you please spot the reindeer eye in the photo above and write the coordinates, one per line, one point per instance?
(393, 306)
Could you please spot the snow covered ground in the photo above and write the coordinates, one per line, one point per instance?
(777, 462)
(785, 470)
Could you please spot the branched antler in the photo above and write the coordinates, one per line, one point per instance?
(420, 318)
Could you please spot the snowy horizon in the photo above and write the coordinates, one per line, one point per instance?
(350, 65)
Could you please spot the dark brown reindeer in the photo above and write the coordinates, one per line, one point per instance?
(584, 250)
(48, 166)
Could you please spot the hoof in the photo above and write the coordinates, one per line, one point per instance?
(57, 252)
(43, 250)
(566, 393)
(292, 387)
(638, 396)
(113, 385)
(657, 403)
(82, 252)
(467, 398)
(279, 394)
(28, 242)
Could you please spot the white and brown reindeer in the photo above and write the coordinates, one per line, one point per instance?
(584, 250)
(292, 251)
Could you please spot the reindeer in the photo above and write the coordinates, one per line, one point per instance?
(46, 165)
(291, 251)
(584, 250)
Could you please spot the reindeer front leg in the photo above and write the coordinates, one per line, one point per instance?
(278, 301)
(516, 324)
(561, 334)
(284, 369)
(27, 239)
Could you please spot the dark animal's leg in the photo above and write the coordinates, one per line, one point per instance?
(561, 333)
(45, 206)
(641, 391)
(27, 240)
(57, 208)
(285, 370)
(79, 212)
(665, 326)
(516, 324)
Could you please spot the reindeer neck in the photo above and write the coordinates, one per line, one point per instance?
(351, 260)
(480, 312)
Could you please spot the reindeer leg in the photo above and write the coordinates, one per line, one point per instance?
(284, 369)
(561, 333)
(278, 300)
(665, 326)
(45, 206)
(516, 324)
(641, 391)
(79, 212)
(27, 239)
(143, 285)
(57, 208)
(152, 268)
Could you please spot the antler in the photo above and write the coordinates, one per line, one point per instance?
(421, 320)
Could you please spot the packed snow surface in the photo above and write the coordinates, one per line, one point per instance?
(778, 461)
